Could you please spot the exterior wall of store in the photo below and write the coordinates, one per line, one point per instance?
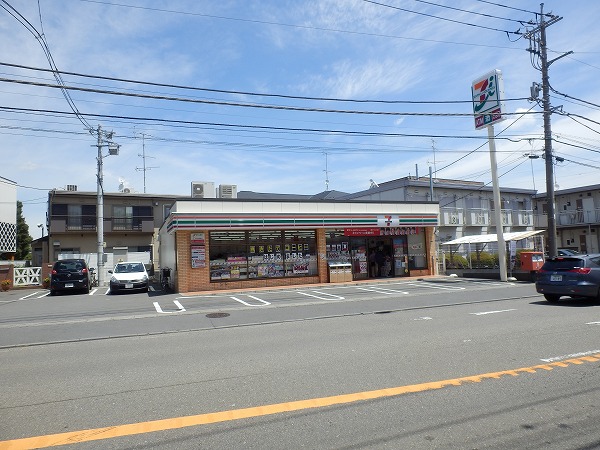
(190, 279)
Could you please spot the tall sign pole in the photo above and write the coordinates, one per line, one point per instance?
(488, 105)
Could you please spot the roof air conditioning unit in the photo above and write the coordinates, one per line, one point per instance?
(203, 189)
(227, 191)
(126, 191)
(71, 187)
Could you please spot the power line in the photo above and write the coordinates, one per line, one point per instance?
(467, 11)
(305, 27)
(509, 7)
(257, 94)
(236, 104)
(260, 127)
(46, 49)
(442, 18)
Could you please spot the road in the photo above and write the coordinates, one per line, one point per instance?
(449, 363)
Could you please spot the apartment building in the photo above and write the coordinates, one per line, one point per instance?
(577, 217)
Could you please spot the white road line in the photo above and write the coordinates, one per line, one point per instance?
(593, 323)
(383, 290)
(434, 286)
(250, 304)
(424, 318)
(327, 296)
(45, 294)
(30, 295)
(181, 308)
(159, 309)
(491, 312)
(574, 355)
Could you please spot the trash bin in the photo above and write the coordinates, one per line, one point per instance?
(345, 272)
(334, 273)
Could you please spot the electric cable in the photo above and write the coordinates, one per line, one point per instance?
(441, 18)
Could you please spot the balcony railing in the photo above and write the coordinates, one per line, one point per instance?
(579, 217)
(479, 217)
(62, 224)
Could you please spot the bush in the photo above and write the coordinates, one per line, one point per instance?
(486, 260)
(457, 262)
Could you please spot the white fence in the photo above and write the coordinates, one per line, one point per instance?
(27, 276)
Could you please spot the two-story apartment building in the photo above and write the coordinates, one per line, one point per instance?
(466, 207)
(577, 217)
(131, 223)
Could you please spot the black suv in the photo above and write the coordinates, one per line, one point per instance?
(70, 275)
(573, 276)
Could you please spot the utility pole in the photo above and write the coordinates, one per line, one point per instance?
(104, 139)
(100, 212)
(538, 47)
(143, 156)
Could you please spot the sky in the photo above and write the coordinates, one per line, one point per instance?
(296, 96)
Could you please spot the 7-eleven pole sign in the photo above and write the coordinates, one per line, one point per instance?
(488, 99)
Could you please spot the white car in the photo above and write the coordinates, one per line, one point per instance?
(128, 276)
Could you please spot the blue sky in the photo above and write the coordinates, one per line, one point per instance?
(298, 55)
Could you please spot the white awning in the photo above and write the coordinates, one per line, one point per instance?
(485, 238)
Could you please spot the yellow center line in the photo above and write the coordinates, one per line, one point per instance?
(95, 434)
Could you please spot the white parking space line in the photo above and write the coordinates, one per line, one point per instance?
(383, 290)
(264, 303)
(93, 291)
(159, 309)
(491, 312)
(322, 296)
(435, 286)
(32, 295)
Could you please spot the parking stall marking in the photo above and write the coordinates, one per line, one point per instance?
(159, 309)
(264, 302)
(380, 290)
(491, 312)
(435, 286)
(33, 294)
(325, 295)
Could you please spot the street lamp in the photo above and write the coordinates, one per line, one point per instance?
(104, 139)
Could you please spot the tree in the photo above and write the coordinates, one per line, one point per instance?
(23, 238)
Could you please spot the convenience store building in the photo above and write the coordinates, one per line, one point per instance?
(215, 244)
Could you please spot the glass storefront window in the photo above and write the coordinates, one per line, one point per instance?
(262, 254)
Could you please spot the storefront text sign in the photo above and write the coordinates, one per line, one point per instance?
(386, 231)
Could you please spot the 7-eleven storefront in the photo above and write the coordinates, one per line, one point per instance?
(214, 244)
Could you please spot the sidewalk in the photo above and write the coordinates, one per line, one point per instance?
(429, 278)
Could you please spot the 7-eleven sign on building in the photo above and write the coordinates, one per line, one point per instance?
(488, 99)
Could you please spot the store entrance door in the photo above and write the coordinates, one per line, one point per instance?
(400, 244)
(381, 258)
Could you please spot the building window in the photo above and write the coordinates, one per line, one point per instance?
(76, 217)
(236, 255)
(130, 217)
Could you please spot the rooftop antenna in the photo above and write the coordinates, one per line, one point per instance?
(143, 156)
(326, 173)
(373, 184)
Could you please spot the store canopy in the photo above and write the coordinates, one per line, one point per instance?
(485, 238)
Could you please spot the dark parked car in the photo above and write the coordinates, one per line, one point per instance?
(70, 275)
(573, 276)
